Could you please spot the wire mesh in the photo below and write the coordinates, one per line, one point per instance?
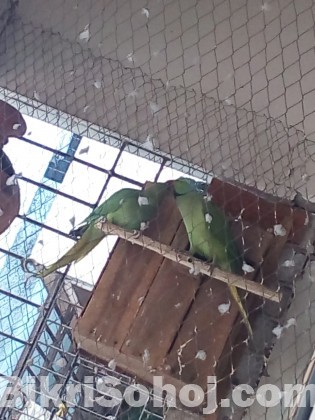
(220, 91)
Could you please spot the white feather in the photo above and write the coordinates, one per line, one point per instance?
(154, 107)
(1, 212)
(208, 218)
(247, 268)
(97, 84)
(85, 34)
(224, 308)
(279, 230)
(36, 95)
(289, 263)
(277, 331)
(201, 355)
(145, 12)
(112, 364)
(143, 201)
(16, 126)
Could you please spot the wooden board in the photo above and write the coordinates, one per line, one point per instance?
(151, 316)
(169, 298)
(257, 210)
(125, 282)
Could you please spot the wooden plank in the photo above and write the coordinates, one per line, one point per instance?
(233, 199)
(125, 282)
(204, 329)
(129, 364)
(168, 299)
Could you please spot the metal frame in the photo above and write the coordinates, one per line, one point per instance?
(42, 324)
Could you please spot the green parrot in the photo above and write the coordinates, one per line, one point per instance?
(208, 231)
(128, 208)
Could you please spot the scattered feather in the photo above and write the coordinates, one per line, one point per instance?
(112, 364)
(279, 230)
(84, 150)
(224, 308)
(149, 143)
(305, 177)
(99, 381)
(1, 212)
(156, 53)
(146, 357)
(178, 305)
(16, 126)
(85, 34)
(194, 270)
(131, 58)
(228, 101)
(36, 95)
(61, 362)
(41, 242)
(201, 355)
(143, 201)
(86, 108)
(167, 84)
(145, 12)
(208, 217)
(154, 107)
(278, 330)
(97, 84)
(72, 221)
(133, 94)
(144, 226)
(29, 133)
(288, 263)
(290, 322)
(247, 268)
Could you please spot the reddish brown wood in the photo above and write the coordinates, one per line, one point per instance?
(163, 310)
(145, 316)
(233, 199)
(126, 280)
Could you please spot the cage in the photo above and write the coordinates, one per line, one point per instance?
(117, 93)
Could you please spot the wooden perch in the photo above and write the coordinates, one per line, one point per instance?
(191, 262)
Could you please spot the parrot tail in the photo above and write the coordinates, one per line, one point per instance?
(85, 244)
(236, 297)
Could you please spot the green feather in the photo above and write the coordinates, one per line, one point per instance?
(127, 208)
(209, 235)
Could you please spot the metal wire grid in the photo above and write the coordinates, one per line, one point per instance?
(249, 56)
(41, 349)
(184, 123)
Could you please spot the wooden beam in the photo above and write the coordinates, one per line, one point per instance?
(190, 262)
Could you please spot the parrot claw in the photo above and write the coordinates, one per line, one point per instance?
(26, 262)
(137, 234)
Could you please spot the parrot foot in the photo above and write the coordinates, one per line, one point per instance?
(26, 263)
(137, 234)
